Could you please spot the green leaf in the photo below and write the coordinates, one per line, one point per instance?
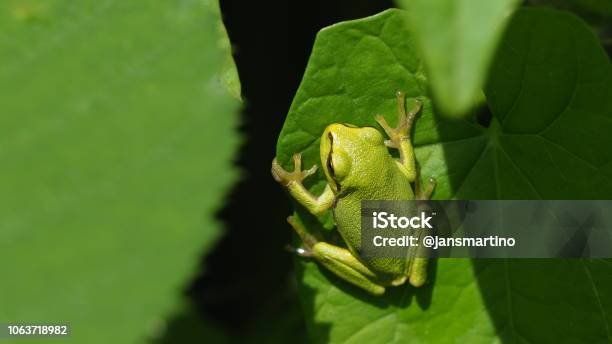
(550, 92)
(116, 138)
(457, 40)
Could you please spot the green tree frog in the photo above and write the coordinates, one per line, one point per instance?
(358, 166)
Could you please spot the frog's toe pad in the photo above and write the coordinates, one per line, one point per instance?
(399, 281)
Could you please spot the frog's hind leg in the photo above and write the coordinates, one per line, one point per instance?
(338, 260)
(417, 271)
(342, 263)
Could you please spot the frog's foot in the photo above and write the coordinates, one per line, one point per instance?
(308, 239)
(404, 123)
(293, 182)
(296, 176)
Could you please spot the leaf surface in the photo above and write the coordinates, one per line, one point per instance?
(550, 95)
(116, 136)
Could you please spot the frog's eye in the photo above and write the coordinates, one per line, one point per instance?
(339, 164)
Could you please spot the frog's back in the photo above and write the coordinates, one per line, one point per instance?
(391, 184)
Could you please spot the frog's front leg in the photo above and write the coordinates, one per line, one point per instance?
(338, 260)
(293, 182)
(399, 137)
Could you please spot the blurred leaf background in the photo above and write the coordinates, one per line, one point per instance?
(457, 39)
(116, 137)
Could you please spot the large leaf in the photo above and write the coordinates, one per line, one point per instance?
(550, 93)
(458, 39)
(116, 136)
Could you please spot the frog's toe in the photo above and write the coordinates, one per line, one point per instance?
(391, 144)
(279, 173)
(380, 119)
(297, 162)
(300, 251)
(406, 119)
(399, 281)
(309, 172)
(424, 193)
(297, 168)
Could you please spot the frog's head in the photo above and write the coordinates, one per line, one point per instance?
(349, 153)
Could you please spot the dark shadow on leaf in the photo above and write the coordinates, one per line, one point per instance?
(318, 332)
(545, 300)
